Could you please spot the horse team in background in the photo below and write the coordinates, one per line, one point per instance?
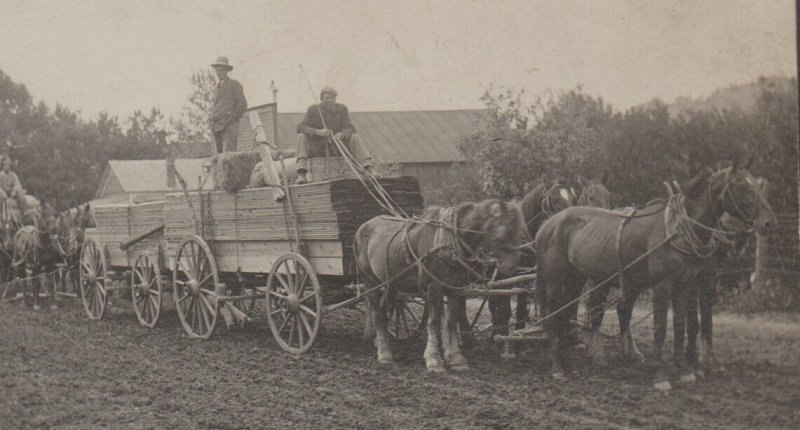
(34, 246)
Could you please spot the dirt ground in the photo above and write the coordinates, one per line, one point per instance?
(60, 370)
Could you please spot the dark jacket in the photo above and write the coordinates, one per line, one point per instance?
(337, 119)
(229, 104)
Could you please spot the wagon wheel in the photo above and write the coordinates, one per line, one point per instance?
(195, 279)
(294, 303)
(146, 290)
(406, 317)
(93, 278)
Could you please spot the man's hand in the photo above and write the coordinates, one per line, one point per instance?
(323, 132)
(339, 136)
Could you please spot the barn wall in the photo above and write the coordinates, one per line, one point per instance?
(429, 175)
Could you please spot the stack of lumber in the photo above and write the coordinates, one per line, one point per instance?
(330, 210)
(118, 223)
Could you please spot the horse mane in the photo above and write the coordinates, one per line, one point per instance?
(696, 185)
(532, 202)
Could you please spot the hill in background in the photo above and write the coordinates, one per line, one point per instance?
(735, 97)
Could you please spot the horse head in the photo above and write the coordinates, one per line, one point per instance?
(736, 192)
(593, 192)
(498, 228)
(47, 223)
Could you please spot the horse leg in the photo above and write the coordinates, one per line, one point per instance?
(452, 351)
(660, 310)
(379, 322)
(51, 289)
(500, 310)
(595, 313)
(624, 313)
(707, 357)
(34, 284)
(369, 326)
(465, 328)
(679, 296)
(692, 323)
(433, 353)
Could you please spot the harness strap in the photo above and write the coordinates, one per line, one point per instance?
(627, 215)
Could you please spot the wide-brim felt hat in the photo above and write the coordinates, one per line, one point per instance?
(222, 62)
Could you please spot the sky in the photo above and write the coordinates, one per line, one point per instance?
(119, 56)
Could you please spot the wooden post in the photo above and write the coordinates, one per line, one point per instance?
(759, 280)
(265, 150)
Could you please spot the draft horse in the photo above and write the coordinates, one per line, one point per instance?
(35, 254)
(659, 246)
(432, 256)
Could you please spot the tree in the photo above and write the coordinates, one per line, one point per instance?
(192, 130)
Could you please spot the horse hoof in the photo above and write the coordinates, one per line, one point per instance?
(688, 379)
(700, 374)
(37, 307)
(385, 359)
(460, 367)
(436, 369)
(662, 386)
(559, 376)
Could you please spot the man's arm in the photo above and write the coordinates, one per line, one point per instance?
(347, 124)
(240, 105)
(305, 126)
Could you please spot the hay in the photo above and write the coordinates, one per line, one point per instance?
(231, 170)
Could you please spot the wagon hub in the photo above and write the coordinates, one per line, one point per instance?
(91, 277)
(193, 287)
(293, 302)
(143, 287)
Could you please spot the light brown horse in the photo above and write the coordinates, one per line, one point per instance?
(432, 256)
(585, 243)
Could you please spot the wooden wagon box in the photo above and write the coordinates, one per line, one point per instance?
(118, 223)
(247, 230)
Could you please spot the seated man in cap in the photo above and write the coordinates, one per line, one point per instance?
(315, 134)
(229, 106)
(10, 188)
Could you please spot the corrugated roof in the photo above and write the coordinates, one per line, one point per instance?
(400, 137)
(142, 176)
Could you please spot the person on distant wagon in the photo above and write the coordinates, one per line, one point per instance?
(229, 106)
(10, 188)
(315, 134)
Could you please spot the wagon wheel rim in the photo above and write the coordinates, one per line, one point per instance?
(294, 303)
(93, 277)
(406, 317)
(195, 278)
(146, 290)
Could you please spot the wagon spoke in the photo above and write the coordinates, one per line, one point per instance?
(277, 295)
(138, 271)
(301, 286)
(180, 300)
(205, 311)
(153, 302)
(206, 303)
(310, 296)
(155, 293)
(205, 279)
(292, 328)
(306, 323)
(307, 310)
(283, 282)
(300, 332)
(284, 322)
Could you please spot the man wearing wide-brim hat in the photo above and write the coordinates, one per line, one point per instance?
(229, 106)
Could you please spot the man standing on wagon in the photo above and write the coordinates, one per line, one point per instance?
(229, 106)
(315, 134)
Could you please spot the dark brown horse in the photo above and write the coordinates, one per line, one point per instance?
(585, 243)
(35, 253)
(537, 206)
(433, 256)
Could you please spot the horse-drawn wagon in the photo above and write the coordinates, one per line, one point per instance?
(219, 252)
